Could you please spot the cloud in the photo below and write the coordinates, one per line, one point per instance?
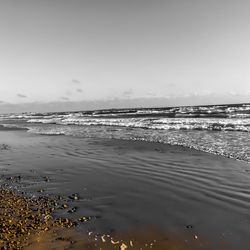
(65, 98)
(21, 96)
(171, 85)
(1, 102)
(67, 93)
(76, 81)
(151, 95)
(79, 90)
(127, 93)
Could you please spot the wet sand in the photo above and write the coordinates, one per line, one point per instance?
(28, 223)
(123, 186)
(22, 218)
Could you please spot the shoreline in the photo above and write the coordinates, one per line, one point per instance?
(180, 146)
(124, 185)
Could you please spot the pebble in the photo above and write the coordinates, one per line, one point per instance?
(21, 217)
(74, 196)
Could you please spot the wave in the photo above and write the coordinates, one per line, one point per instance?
(233, 144)
(220, 129)
(241, 111)
(154, 123)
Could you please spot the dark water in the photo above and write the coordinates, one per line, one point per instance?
(218, 129)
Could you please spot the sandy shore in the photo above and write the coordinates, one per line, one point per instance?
(22, 218)
(28, 223)
(195, 200)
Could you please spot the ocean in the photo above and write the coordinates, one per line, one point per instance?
(217, 129)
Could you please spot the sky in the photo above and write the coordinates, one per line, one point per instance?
(89, 53)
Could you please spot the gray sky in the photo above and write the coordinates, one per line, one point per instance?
(85, 50)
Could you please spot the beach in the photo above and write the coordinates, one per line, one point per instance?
(123, 186)
(124, 125)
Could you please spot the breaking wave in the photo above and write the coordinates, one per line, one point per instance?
(155, 123)
(220, 129)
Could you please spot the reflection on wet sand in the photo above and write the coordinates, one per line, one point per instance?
(140, 239)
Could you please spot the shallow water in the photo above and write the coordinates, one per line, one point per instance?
(130, 184)
(217, 129)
